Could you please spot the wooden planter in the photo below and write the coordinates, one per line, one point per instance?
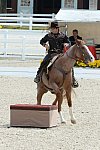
(27, 115)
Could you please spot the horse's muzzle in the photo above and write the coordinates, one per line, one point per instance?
(92, 59)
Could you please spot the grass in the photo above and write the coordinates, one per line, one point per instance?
(24, 27)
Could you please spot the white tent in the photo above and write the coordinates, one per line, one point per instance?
(86, 21)
(78, 15)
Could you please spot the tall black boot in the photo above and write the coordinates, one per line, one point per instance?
(37, 78)
(39, 72)
(74, 82)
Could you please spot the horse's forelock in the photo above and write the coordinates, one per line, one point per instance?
(80, 42)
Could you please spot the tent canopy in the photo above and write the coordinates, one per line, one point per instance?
(77, 15)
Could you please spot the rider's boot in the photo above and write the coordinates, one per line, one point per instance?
(39, 73)
(38, 76)
(74, 83)
(41, 69)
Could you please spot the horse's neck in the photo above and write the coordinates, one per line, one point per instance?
(71, 51)
(66, 62)
(69, 56)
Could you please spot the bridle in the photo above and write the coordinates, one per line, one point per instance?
(76, 58)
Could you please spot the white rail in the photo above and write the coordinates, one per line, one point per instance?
(21, 43)
(26, 19)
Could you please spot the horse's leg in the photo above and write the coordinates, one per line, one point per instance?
(59, 98)
(68, 95)
(39, 97)
(59, 108)
(40, 92)
(59, 111)
(55, 101)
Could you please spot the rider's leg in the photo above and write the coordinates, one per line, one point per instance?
(37, 78)
(74, 82)
(43, 65)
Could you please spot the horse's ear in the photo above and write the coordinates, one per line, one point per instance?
(79, 42)
(83, 42)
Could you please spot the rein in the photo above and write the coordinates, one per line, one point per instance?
(75, 58)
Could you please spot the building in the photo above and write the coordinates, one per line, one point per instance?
(44, 6)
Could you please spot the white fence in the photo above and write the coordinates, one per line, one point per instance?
(21, 43)
(26, 19)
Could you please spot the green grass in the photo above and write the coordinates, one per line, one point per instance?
(24, 28)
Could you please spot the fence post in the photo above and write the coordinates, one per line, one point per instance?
(23, 47)
(53, 15)
(21, 19)
(30, 23)
(5, 42)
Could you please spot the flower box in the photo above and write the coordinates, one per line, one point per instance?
(28, 115)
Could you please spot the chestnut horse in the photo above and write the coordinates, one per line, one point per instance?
(60, 78)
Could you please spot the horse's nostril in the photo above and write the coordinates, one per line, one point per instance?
(91, 58)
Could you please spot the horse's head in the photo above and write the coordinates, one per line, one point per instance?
(83, 53)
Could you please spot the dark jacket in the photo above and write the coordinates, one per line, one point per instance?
(72, 40)
(55, 41)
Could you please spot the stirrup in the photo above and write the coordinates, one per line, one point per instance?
(75, 84)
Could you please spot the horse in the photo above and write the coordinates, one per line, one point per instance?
(60, 78)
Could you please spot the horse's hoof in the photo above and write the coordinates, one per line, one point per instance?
(73, 121)
(53, 103)
(63, 122)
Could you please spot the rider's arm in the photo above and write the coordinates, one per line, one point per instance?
(44, 41)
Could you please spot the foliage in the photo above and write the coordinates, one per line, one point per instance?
(95, 64)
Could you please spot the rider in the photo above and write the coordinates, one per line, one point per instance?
(57, 40)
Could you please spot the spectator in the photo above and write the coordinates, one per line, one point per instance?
(72, 42)
(74, 36)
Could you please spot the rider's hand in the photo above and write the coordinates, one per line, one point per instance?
(66, 44)
(47, 47)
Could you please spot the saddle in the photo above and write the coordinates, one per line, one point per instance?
(45, 71)
(52, 62)
(49, 66)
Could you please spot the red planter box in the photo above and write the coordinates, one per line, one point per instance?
(27, 115)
